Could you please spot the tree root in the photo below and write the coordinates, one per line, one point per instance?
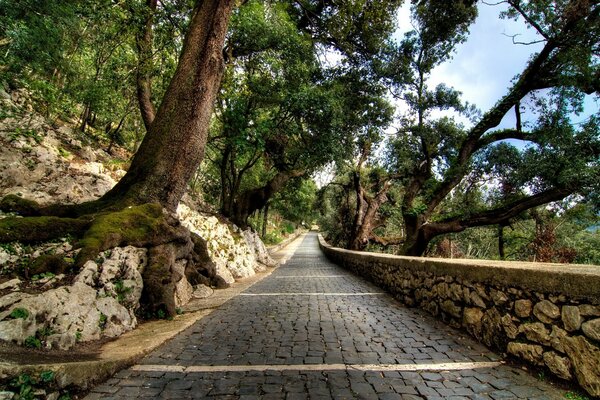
(173, 250)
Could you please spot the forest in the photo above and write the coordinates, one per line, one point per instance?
(279, 114)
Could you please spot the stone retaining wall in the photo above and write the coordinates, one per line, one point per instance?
(547, 315)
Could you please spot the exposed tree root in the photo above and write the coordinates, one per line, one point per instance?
(172, 249)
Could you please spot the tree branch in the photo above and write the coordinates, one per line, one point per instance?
(497, 215)
(143, 81)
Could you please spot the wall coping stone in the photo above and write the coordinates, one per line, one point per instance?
(580, 282)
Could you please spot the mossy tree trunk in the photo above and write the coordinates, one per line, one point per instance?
(174, 144)
(164, 163)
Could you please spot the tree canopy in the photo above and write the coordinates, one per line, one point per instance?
(301, 85)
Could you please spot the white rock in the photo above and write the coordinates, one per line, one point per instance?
(11, 284)
(202, 292)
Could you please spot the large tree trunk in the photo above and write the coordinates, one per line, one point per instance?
(255, 199)
(174, 145)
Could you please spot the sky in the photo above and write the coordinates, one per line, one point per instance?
(482, 68)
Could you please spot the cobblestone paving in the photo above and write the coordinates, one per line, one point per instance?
(312, 330)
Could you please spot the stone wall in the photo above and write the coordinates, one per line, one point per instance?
(547, 315)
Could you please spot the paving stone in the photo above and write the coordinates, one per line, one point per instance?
(312, 330)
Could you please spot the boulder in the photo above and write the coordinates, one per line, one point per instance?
(591, 329)
(498, 297)
(571, 318)
(585, 358)
(202, 292)
(557, 338)
(535, 332)
(452, 309)
(491, 330)
(587, 310)
(523, 308)
(509, 326)
(546, 311)
(559, 366)
(472, 320)
(532, 353)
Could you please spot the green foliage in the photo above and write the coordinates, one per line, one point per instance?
(32, 342)
(26, 384)
(102, 320)
(25, 133)
(19, 312)
(575, 396)
(121, 290)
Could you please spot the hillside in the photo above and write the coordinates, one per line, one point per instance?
(44, 300)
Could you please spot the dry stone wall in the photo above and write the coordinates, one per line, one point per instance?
(547, 315)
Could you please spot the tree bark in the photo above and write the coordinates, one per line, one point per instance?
(419, 233)
(143, 81)
(255, 199)
(265, 220)
(501, 253)
(174, 145)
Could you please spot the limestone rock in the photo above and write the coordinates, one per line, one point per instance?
(532, 353)
(557, 338)
(472, 317)
(591, 329)
(509, 327)
(226, 247)
(100, 303)
(546, 311)
(449, 307)
(477, 300)
(183, 289)
(491, 330)
(523, 308)
(536, 332)
(559, 366)
(202, 292)
(587, 310)
(456, 292)
(585, 358)
(571, 318)
(260, 250)
(442, 290)
(498, 297)
(11, 284)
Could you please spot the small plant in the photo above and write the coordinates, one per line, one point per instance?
(121, 290)
(44, 332)
(78, 336)
(178, 311)
(47, 376)
(26, 386)
(25, 133)
(23, 384)
(30, 164)
(575, 396)
(43, 275)
(160, 314)
(19, 313)
(64, 153)
(102, 321)
(33, 342)
(541, 376)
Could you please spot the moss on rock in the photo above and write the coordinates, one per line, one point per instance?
(40, 229)
(139, 226)
(16, 204)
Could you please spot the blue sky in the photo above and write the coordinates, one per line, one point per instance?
(482, 68)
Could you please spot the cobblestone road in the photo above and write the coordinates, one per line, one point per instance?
(311, 330)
